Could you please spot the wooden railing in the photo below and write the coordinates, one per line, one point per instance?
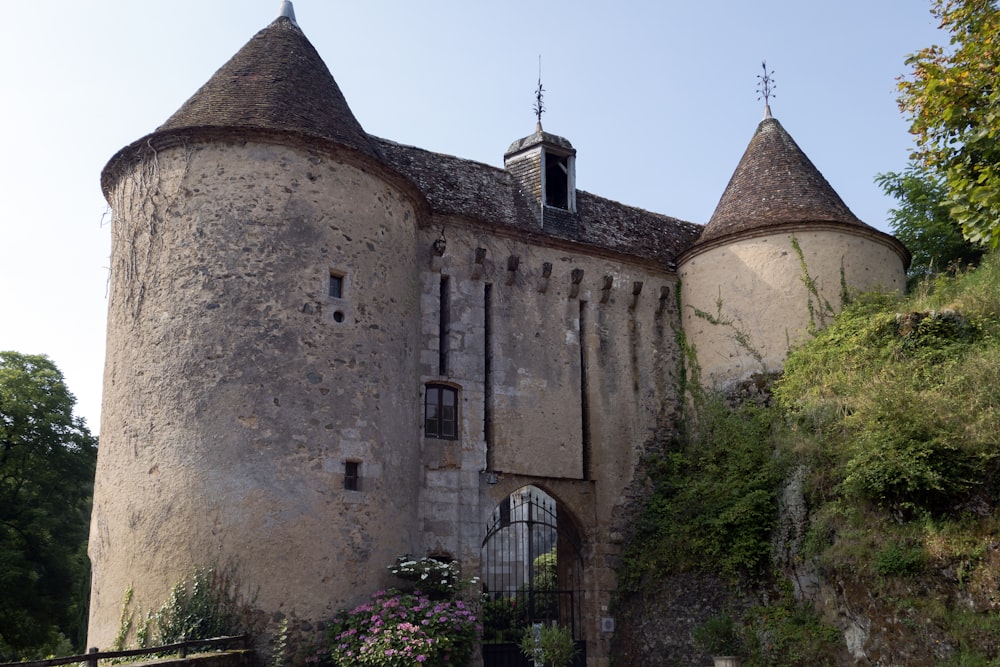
(93, 655)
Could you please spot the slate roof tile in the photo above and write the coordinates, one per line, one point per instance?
(774, 184)
(277, 81)
(454, 186)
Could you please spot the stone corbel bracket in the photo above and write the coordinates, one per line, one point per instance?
(636, 291)
(664, 299)
(512, 263)
(576, 276)
(543, 280)
(606, 288)
(477, 267)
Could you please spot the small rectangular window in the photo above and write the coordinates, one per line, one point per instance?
(441, 412)
(352, 476)
(336, 286)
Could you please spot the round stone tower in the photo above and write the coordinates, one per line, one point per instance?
(775, 260)
(261, 383)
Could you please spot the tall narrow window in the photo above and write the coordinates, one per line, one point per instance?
(488, 373)
(444, 324)
(584, 389)
(336, 285)
(352, 476)
(441, 412)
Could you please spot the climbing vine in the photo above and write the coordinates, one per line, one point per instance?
(139, 205)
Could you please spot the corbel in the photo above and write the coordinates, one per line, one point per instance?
(512, 263)
(636, 290)
(576, 276)
(543, 281)
(664, 298)
(606, 288)
(477, 267)
(437, 257)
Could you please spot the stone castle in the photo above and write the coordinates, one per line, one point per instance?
(327, 349)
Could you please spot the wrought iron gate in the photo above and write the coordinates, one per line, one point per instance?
(532, 573)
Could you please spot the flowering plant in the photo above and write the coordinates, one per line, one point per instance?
(551, 645)
(432, 576)
(396, 629)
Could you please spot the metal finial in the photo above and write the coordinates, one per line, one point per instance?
(765, 88)
(287, 11)
(539, 107)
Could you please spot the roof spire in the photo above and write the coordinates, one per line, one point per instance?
(765, 88)
(538, 107)
(287, 11)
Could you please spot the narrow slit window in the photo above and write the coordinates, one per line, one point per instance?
(441, 412)
(352, 476)
(444, 325)
(336, 289)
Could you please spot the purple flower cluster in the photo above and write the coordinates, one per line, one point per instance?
(396, 629)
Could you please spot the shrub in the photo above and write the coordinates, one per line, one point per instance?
(437, 578)
(788, 633)
(502, 617)
(899, 398)
(900, 560)
(713, 502)
(719, 635)
(549, 645)
(208, 604)
(395, 629)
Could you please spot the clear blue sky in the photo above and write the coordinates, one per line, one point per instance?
(658, 97)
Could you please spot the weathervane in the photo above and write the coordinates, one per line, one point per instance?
(765, 88)
(538, 107)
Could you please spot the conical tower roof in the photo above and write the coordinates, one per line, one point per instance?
(775, 184)
(276, 84)
(277, 81)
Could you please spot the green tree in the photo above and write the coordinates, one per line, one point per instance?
(923, 222)
(953, 104)
(47, 460)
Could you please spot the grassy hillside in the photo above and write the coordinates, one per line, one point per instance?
(848, 507)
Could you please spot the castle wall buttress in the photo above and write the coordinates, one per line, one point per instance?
(238, 388)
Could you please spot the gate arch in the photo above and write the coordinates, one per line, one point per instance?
(532, 571)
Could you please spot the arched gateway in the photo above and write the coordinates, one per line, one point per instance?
(532, 574)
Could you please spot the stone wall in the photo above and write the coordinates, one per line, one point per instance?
(583, 369)
(759, 283)
(236, 389)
